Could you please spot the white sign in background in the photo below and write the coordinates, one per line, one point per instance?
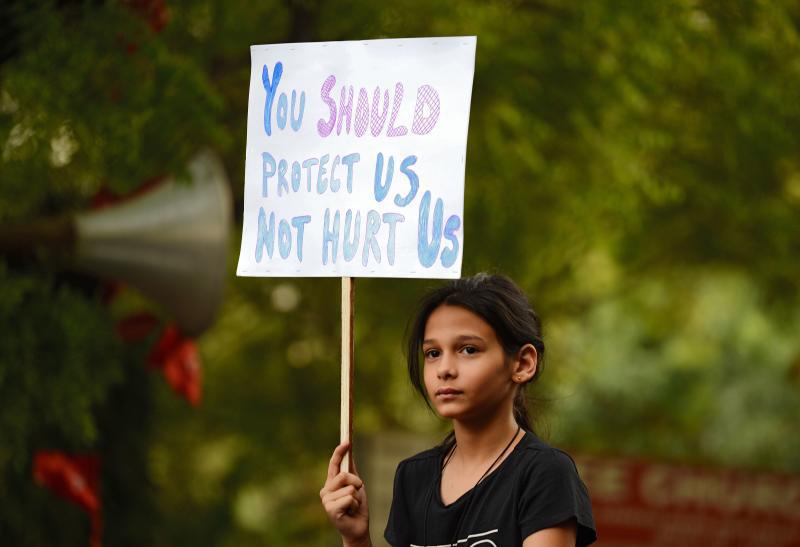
(355, 158)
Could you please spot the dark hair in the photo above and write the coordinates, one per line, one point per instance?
(498, 301)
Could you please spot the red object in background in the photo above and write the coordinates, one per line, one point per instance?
(178, 359)
(154, 11)
(639, 504)
(136, 326)
(73, 478)
(175, 355)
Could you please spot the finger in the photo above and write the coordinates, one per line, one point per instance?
(336, 460)
(341, 482)
(343, 479)
(335, 508)
(342, 506)
(340, 493)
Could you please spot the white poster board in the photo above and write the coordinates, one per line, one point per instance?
(355, 158)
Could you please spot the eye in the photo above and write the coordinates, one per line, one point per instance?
(431, 353)
(469, 350)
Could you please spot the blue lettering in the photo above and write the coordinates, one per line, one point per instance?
(300, 223)
(382, 189)
(307, 165)
(270, 88)
(266, 234)
(350, 248)
(427, 252)
(349, 160)
(283, 110)
(283, 184)
(370, 241)
(391, 219)
(297, 121)
(413, 179)
(449, 255)
(267, 170)
(284, 239)
(335, 183)
(295, 176)
(322, 182)
(330, 236)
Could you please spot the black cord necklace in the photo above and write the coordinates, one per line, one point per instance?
(471, 492)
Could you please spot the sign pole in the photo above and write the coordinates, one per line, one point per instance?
(346, 416)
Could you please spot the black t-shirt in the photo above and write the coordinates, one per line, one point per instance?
(535, 487)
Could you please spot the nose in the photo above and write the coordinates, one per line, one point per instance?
(446, 367)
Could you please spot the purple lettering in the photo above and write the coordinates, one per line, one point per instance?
(324, 128)
(345, 108)
(362, 112)
(400, 130)
(426, 95)
(377, 120)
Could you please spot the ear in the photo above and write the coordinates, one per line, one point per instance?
(525, 365)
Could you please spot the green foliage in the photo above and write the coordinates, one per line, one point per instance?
(690, 368)
(58, 358)
(96, 98)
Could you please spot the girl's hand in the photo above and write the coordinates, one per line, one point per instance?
(345, 501)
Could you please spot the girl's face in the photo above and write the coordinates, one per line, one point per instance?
(466, 372)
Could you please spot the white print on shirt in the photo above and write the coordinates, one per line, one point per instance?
(473, 540)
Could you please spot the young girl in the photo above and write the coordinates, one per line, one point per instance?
(474, 345)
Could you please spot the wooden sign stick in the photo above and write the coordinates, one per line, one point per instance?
(346, 416)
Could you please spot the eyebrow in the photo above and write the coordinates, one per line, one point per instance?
(460, 339)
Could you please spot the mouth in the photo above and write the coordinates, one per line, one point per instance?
(447, 392)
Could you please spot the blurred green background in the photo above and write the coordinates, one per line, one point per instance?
(634, 165)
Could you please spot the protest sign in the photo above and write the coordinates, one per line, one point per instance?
(355, 158)
(355, 166)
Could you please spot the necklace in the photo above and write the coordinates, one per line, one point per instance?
(471, 492)
(455, 445)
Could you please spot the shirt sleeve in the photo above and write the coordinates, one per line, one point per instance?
(553, 493)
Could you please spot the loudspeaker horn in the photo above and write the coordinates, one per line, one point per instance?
(171, 243)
